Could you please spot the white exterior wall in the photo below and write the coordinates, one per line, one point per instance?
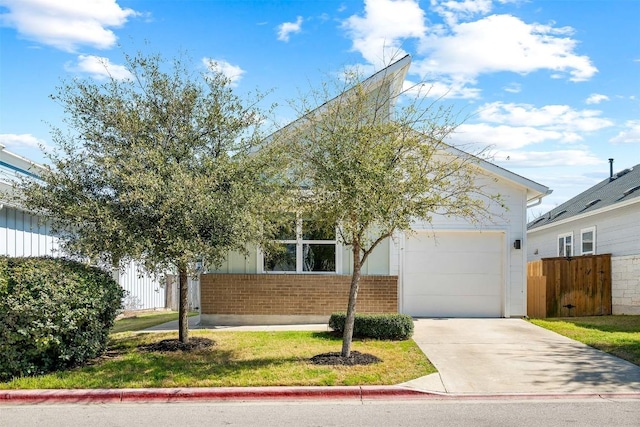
(617, 233)
(511, 222)
(625, 284)
(145, 290)
(22, 234)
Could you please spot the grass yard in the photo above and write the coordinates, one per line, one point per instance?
(618, 335)
(145, 320)
(238, 359)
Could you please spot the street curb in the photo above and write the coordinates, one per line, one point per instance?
(212, 394)
(167, 395)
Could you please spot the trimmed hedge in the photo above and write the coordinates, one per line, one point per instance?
(378, 326)
(54, 313)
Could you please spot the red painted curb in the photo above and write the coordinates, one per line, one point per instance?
(193, 394)
(266, 393)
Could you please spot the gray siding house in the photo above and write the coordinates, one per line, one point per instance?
(605, 219)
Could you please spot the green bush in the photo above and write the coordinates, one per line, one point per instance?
(54, 313)
(379, 326)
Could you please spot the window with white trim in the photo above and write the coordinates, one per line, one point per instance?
(303, 247)
(588, 241)
(565, 244)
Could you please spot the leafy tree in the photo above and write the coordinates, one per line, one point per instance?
(373, 165)
(156, 168)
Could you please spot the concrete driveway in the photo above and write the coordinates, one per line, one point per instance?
(482, 356)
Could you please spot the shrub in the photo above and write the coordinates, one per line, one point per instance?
(379, 326)
(54, 313)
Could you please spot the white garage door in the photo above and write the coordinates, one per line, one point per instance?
(453, 274)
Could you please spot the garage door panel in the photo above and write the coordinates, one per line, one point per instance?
(455, 274)
(454, 242)
(447, 306)
(440, 285)
(458, 263)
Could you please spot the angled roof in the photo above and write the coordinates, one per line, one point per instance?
(395, 74)
(620, 189)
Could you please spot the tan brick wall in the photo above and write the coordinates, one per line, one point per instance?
(294, 294)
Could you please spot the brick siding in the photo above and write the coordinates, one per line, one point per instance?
(294, 294)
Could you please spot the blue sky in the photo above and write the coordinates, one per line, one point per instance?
(553, 87)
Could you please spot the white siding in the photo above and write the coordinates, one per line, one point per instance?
(144, 290)
(21, 235)
(24, 235)
(617, 233)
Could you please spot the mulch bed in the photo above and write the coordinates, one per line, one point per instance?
(356, 358)
(172, 345)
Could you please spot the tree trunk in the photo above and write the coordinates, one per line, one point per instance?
(347, 336)
(183, 308)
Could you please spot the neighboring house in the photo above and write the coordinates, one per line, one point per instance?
(605, 219)
(448, 268)
(23, 234)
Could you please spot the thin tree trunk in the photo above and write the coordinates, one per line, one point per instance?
(183, 308)
(347, 336)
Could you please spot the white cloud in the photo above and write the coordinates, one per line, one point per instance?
(453, 11)
(513, 88)
(596, 98)
(555, 117)
(232, 72)
(467, 45)
(440, 89)
(287, 28)
(379, 33)
(66, 24)
(541, 159)
(504, 137)
(630, 135)
(500, 43)
(504, 126)
(24, 140)
(99, 68)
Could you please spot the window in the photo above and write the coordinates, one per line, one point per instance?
(304, 247)
(565, 245)
(588, 241)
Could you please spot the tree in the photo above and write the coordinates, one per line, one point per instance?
(157, 168)
(374, 166)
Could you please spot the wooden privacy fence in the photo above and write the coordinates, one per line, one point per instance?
(566, 287)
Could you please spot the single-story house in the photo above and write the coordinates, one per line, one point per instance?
(446, 268)
(605, 219)
(23, 234)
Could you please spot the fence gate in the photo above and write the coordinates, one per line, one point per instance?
(567, 287)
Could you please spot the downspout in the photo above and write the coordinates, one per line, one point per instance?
(539, 199)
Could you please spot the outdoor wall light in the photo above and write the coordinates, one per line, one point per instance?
(517, 244)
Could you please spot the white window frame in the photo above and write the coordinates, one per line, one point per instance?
(593, 241)
(564, 236)
(300, 242)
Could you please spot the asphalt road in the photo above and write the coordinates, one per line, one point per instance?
(482, 412)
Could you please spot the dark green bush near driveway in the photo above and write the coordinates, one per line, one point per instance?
(54, 313)
(378, 326)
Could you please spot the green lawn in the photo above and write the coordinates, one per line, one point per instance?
(237, 359)
(145, 320)
(618, 335)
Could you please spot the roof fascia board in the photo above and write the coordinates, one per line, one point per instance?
(19, 163)
(586, 214)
